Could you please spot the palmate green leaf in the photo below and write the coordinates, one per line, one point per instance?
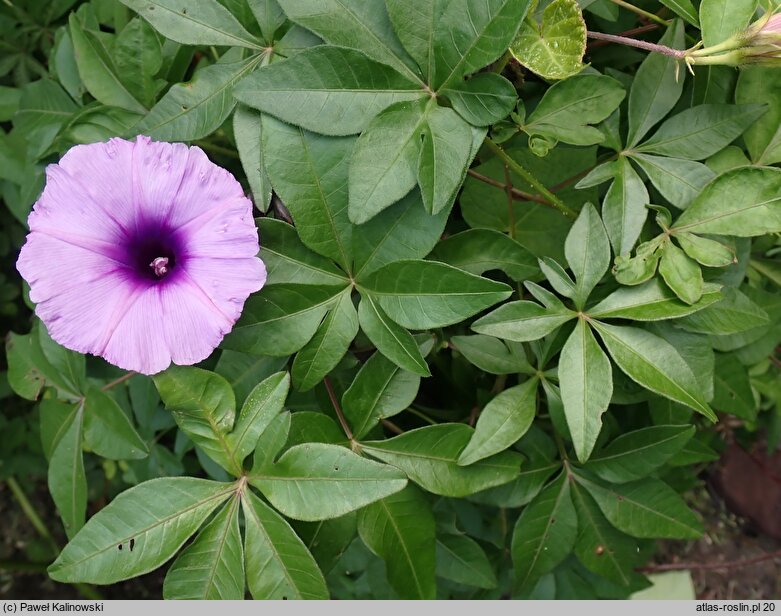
(656, 88)
(287, 260)
(553, 49)
(204, 407)
(400, 529)
(522, 321)
(651, 301)
(587, 249)
(429, 457)
(97, 69)
(201, 23)
(470, 34)
(480, 250)
(544, 533)
(415, 24)
(329, 344)
(763, 140)
(569, 106)
(426, 294)
(248, 131)
(66, 478)
(460, 559)
(9, 102)
(157, 516)
(701, 131)
(732, 388)
(682, 274)
(444, 158)
(212, 566)
(29, 370)
(720, 19)
(361, 24)
(482, 100)
(623, 209)
(599, 547)
(281, 320)
(403, 231)
(645, 508)
(329, 90)
(262, 406)
(653, 363)
(734, 313)
(196, 109)
(314, 427)
(636, 454)
(744, 202)
(696, 351)
(384, 164)
(327, 540)
(271, 441)
(392, 340)
(684, 9)
(706, 252)
(243, 371)
(586, 387)
(138, 57)
(678, 180)
(278, 564)
(380, 389)
(55, 419)
(520, 491)
(43, 109)
(503, 421)
(557, 277)
(309, 173)
(108, 431)
(492, 355)
(316, 481)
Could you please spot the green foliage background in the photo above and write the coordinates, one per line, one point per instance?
(508, 294)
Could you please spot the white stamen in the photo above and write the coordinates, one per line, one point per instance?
(160, 266)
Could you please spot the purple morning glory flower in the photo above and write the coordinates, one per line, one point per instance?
(141, 252)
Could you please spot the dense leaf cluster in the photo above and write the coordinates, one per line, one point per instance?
(509, 294)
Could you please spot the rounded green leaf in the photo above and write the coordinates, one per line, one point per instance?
(553, 49)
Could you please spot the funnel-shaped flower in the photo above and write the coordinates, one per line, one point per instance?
(141, 252)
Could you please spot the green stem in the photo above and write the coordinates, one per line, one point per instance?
(29, 511)
(641, 12)
(422, 415)
(84, 590)
(630, 42)
(530, 179)
(502, 62)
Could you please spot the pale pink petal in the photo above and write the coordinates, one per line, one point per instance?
(70, 210)
(76, 291)
(158, 172)
(227, 282)
(98, 178)
(203, 188)
(137, 339)
(226, 231)
(190, 322)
